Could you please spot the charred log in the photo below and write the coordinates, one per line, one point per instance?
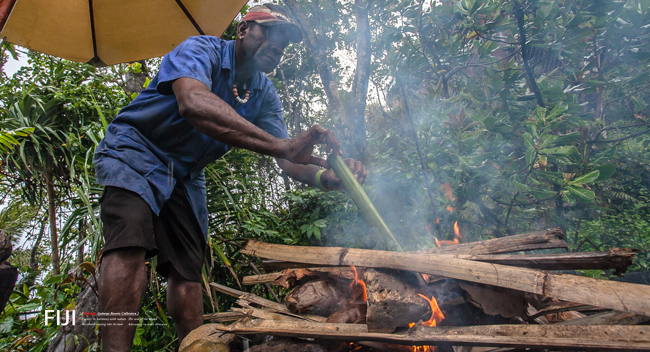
(392, 303)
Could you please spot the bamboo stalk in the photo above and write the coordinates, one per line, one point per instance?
(362, 201)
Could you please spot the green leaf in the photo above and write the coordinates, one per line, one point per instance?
(555, 177)
(559, 151)
(583, 195)
(568, 197)
(568, 138)
(606, 171)
(604, 156)
(528, 141)
(586, 178)
(541, 193)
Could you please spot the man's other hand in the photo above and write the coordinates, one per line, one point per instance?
(299, 149)
(332, 183)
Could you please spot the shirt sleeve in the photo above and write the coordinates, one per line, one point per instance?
(270, 118)
(196, 58)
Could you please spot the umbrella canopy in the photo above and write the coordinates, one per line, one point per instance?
(107, 32)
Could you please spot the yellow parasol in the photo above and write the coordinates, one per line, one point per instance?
(107, 32)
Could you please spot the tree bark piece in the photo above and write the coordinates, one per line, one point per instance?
(544, 336)
(547, 239)
(494, 301)
(391, 302)
(602, 293)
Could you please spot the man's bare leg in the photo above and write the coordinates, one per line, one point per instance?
(184, 303)
(122, 282)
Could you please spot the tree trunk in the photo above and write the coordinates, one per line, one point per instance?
(51, 211)
(346, 131)
(8, 272)
(361, 78)
(77, 338)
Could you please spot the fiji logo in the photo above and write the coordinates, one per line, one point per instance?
(58, 317)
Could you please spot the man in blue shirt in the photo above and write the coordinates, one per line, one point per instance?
(208, 96)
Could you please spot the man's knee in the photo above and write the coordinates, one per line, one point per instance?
(123, 264)
(184, 298)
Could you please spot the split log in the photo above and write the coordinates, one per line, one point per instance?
(291, 276)
(274, 306)
(602, 293)
(223, 317)
(608, 318)
(543, 336)
(615, 258)
(529, 241)
(391, 302)
(548, 239)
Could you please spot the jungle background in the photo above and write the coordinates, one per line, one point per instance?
(504, 115)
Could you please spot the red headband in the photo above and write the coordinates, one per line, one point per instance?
(254, 16)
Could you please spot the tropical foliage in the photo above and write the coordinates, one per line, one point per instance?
(503, 116)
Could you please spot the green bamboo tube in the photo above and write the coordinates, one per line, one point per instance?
(360, 198)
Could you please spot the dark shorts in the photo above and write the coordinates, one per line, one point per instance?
(174, 235)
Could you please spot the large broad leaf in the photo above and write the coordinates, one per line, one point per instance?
(566, 139)
(555, 177)
(541, 193)
(568, 197)
(583, 195)
(604, 156)
(559, 151)
(586, 178)
(606, 171)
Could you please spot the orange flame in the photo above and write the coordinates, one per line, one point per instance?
(437, 221)
(457, 232)
(450, 208)
(424, 348)
(440, 243)
(436, 313)
(436, 318)
(356, 282)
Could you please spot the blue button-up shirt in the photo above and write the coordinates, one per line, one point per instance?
(149, 146)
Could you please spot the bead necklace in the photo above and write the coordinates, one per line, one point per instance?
(240, 100)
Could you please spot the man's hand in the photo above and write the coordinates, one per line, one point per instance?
(299, 149)
(332, 183)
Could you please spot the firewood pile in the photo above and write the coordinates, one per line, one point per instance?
(466, 297)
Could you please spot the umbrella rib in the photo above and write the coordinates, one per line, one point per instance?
(92, 31)
(189, 17)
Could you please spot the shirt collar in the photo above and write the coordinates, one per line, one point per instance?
(228, 62)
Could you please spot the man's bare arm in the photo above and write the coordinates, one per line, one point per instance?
(215, 118)
(306, 173)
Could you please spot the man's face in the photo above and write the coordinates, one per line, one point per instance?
(264, 45)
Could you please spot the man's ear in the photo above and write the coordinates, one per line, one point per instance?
(242, 29)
